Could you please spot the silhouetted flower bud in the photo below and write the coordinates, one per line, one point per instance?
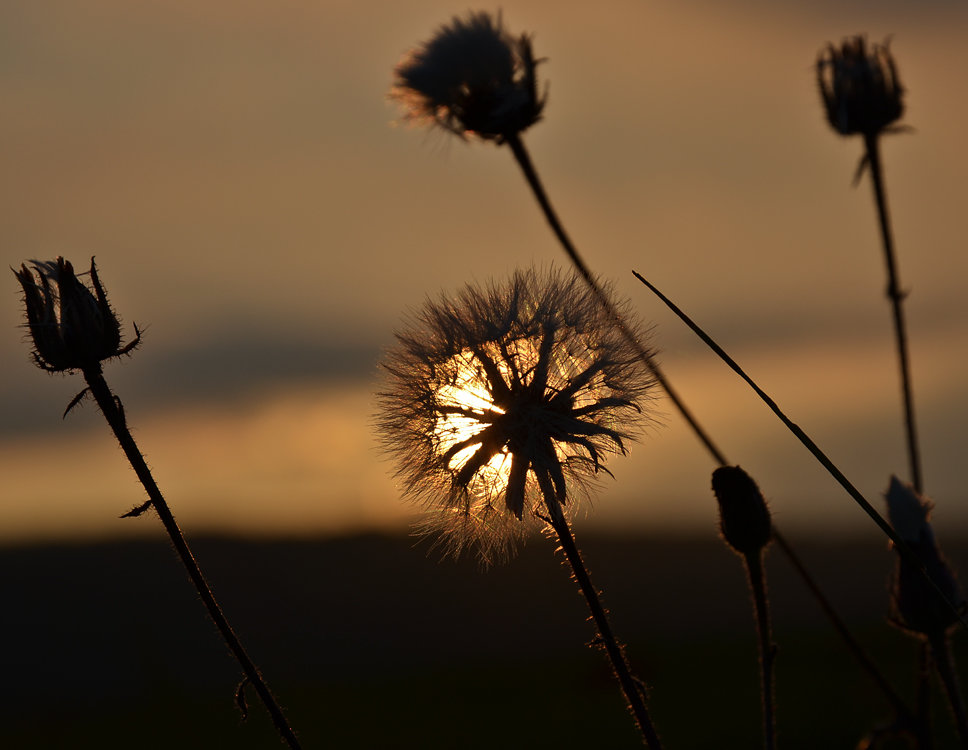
(915, 605)
(473, 77)
(744, 517)
(859, 86)
(72, 325)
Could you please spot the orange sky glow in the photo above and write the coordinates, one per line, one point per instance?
(255, 206)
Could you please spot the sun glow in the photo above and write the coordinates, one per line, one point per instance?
(466, 407)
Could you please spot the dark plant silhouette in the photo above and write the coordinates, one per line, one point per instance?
(746, 528)
(862, 95)
(501, 405)
(73, 328)
(916, 607)
(461, 64)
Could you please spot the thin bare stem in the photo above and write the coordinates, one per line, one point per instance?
(534, 182)
(923, 696)
(906, 553)
(944, 663)
(111, 409)
(757, 580)
(631, 687)
(857, 651)
(896, 296)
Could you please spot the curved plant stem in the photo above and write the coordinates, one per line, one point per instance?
(757, 579)
(534, 182)
(904, 550)
(944, 663)
(896, 296)
(111, 409)
(631, 687)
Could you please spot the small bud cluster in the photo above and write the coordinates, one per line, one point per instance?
(915, 604)
(472, 78)
(859, 86)
(71, 324)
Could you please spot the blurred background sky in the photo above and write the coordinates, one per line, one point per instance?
(236, 170)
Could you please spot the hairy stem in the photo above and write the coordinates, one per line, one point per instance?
(631, 687)
(534, 182)
(111, 409)
(896, 297)
(757, 580)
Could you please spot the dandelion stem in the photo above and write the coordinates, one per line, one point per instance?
(534, 182)
(906, 553)
(944, 663)
(632, 687)
(757, 580)
(896, 296)
(111, 409)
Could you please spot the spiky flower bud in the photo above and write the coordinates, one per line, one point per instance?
(472, 78)
(859, 86)
(71, 324)
(503, 402)
(915, 605)
(743, 514)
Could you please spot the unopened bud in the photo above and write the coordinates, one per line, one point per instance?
(915, 604)
(71, 324)
(744, 517)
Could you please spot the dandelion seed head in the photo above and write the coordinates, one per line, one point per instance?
(859, 86)
(504, 402)
(472, 78)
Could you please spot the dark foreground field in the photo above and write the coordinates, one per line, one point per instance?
(368, 643)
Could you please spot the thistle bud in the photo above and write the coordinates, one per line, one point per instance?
(472, 78)
(915, 605)
(71, 324)
(859, 86)
(744, 518)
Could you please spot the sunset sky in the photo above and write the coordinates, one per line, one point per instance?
(256, 206)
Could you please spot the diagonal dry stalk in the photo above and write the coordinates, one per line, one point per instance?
(904, 550)
(110, 407)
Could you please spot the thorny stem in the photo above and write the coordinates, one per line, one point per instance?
(757, 579)
(534, 182)
(896, 296)
(944, 663)
(906, 553)
(633, 689)
(111, 409)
